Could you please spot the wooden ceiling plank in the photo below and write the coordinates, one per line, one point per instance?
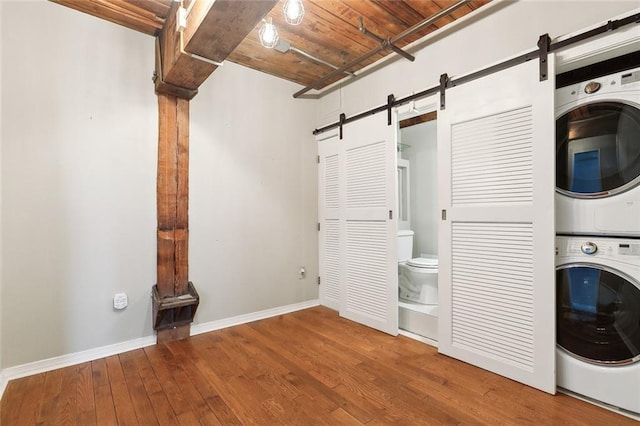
(289, 66)
(376, 19)
(475, 4)
(428, 9)
(409, 16)
(159, 7)
(131, 9)
(324, 33)
(456, 14)
(337, 14)
(400, 10)
(102, 11)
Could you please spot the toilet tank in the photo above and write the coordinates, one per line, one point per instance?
(405, 245)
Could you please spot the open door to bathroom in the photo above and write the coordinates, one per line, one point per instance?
(357, 213)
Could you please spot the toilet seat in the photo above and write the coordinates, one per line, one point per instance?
(423, 262)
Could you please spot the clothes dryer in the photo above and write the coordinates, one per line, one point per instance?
(598, 319)
(598, 156)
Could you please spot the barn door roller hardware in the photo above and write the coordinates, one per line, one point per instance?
(392, 41)
(544, 43)
(444, 81)
(390, 100)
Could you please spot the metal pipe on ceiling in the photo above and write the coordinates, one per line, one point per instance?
(285, 46)
(385, 43)
(409, 31)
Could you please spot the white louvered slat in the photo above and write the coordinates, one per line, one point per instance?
(492, 290)
(331, 182)
(366, 278)
(492, 158)
(366, 176)
(331, 260)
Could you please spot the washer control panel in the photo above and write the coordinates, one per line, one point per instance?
(626, 250)
(625, 84)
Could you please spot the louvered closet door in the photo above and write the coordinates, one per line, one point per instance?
(369, 290)
(330, 258)
(496, 246)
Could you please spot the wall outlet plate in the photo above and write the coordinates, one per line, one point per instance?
(120, 301)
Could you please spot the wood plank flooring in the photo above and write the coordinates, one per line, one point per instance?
(308, 367)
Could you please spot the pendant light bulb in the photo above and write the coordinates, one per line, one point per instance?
(293, 11)
(268, 34)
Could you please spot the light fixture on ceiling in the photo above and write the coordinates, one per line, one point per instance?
(268, 34)
(293, 11)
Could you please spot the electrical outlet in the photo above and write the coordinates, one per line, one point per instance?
(120, 301)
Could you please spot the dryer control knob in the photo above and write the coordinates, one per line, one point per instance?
(589, 248)
(592, 87)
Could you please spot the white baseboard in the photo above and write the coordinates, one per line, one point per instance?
(62, 361)
(254, 316)
(67, 360)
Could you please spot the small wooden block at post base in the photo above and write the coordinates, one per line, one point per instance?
(167, 335)
(174, 314)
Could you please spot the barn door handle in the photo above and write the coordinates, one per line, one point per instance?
(390, 214)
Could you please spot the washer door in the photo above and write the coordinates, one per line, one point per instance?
(598, 149)
(598, 314)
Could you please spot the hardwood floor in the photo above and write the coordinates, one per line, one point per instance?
(308, 367)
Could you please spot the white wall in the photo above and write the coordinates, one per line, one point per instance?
(78, 181)
(79, 152)
(422, 156)
(253, 179)
(512, 28)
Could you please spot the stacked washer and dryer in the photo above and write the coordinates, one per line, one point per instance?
(598, 238)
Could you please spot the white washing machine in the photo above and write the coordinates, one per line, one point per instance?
(598, 156)
(598, 319)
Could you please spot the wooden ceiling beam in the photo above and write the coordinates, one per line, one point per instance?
(213, 30)
(119, 12)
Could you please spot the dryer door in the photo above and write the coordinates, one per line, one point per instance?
(598, 149)
(598, 314)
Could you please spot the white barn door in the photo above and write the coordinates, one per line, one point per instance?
(329, 165)
(496, 150)
(358, 238)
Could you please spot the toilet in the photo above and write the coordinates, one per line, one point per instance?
(417, 277)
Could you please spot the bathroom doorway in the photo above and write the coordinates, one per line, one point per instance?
(418, 225)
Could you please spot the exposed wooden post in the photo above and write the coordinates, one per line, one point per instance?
(173, 195)
(173, 204)
(183, 62)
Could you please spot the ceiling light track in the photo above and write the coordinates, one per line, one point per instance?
(392, 41)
